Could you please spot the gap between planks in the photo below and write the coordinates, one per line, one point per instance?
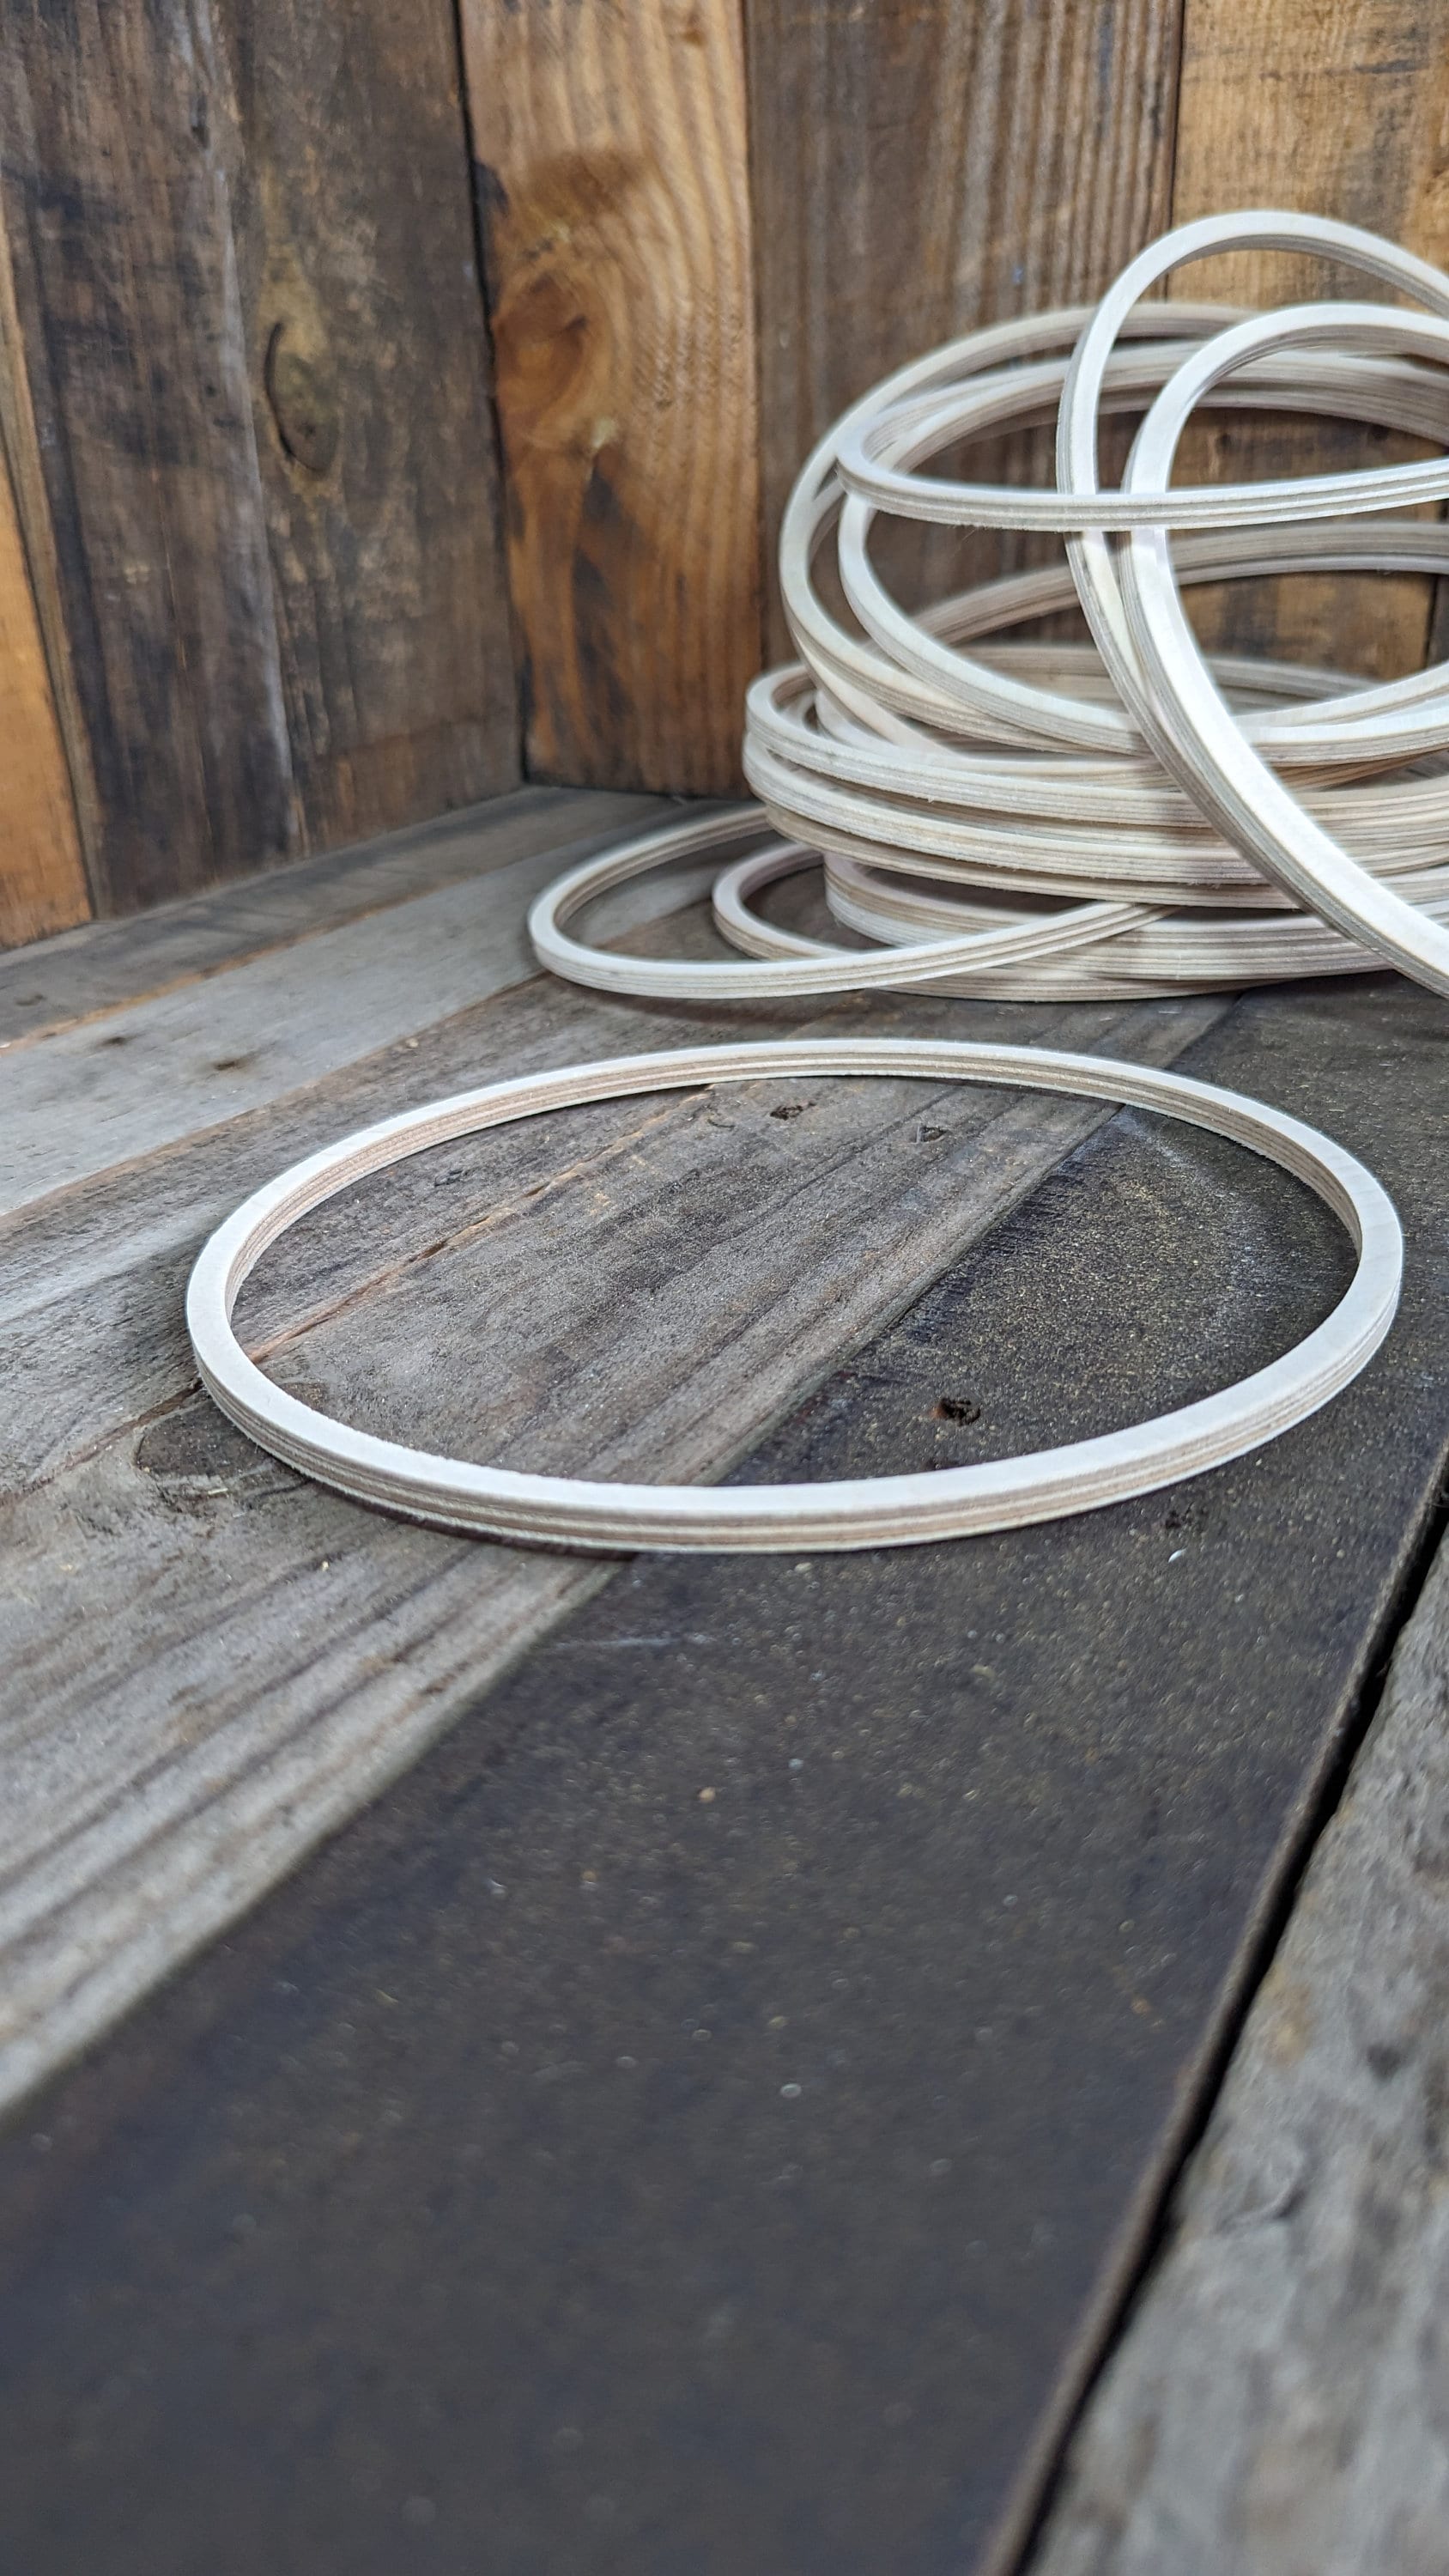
(1275, 2405)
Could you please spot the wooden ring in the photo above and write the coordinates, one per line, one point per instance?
(885, 1511)
(786, 968)
(1193, 730)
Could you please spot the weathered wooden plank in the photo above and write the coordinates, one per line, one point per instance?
(42, 875)
(258, 1656)
(254, 354)
(117, 139)
(97, 1268)
(917, 171)
(614, 201)
(1339, 111)
(1277, 2403)
(110, 964)
(367, 347)
(691, 2121)
(115, 1088)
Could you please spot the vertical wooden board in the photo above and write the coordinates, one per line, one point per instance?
(611, 144)
(368, 360)
(115, 136)
(42, 879)
(918, 170)
(1332, 107)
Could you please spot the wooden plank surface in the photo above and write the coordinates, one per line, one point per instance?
(61, 982)
(42, 874)
(613, 192)
(707, 2113)
(1338, 111)
(272, 646)
(281, 1737)
(367, 354)
(107, 1091)
(916, 171)
(117, 135)
(1277, 2404)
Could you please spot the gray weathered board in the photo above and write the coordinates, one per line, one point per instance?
(458, 2209)
(1280, 2406)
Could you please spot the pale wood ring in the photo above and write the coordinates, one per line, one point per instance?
(884, 1511)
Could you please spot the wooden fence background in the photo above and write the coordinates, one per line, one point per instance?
(397, 403)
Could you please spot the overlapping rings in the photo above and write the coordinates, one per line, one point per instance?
(1045, 821)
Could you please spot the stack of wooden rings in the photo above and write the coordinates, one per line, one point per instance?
(1030, 822)
(1117, 818)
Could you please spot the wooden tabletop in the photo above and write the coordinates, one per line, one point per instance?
(680, 2066)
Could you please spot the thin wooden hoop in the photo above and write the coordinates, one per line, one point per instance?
(886, 1511)
(789, 968)
(1157, 954)
(1193, 729)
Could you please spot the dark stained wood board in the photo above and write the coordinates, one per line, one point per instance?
(918, 171)
(117, 133)
(375, 430)
(613, 195)
(277, 635)
(366, 2195)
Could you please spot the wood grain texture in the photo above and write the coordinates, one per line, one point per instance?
(489, 2119)
(1332, 107)
(118, 139)
(611, 151)
(108, 966)
(1277, 2407)
(919, 170)
(217, 220)
(42, 874)
(368, 367)
(268, 1655)
(110, 1090)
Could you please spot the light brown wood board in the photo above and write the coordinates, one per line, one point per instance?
(613, 192)
(42, 875)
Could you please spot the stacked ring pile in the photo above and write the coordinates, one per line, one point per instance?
(1112, 819)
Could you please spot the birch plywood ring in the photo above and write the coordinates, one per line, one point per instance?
(1120, 818)
(884, 1511)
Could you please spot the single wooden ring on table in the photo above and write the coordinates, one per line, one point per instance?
(883, 1511)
